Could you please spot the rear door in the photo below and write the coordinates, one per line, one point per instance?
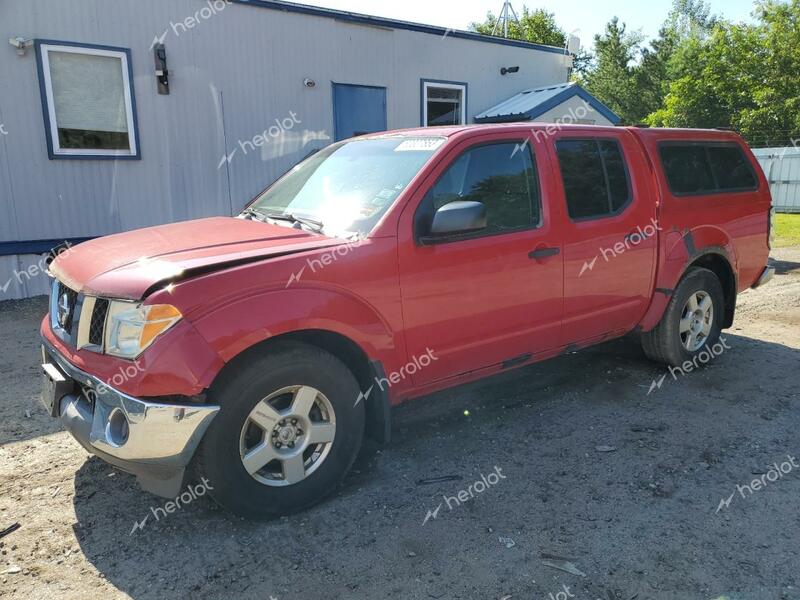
(358, 110)
(610, 233)
(490, 297)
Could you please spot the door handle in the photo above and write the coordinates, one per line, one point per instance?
(544, 253)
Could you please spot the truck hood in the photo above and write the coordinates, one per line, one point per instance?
(128, 265)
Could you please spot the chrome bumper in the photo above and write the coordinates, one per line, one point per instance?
(766, 277)
(153, 441)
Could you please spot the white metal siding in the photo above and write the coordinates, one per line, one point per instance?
(231, 76)
(782, 168)
(572, 109)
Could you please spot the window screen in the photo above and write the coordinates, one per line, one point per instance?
(696, 169)
(500, 176)
(595, 177)
(89, 100)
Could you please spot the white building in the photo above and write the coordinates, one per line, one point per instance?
(124, 114)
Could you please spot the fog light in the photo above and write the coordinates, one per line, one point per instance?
(117, 429)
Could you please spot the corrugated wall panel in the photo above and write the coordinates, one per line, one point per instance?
(782, 168)
(231, 76)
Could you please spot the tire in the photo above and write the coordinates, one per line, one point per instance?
(667, 343)
(262, 403)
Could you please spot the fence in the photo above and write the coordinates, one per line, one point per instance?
(782, 168)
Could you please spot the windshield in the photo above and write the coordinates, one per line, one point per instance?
(346, 188)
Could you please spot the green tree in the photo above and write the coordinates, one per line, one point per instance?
(667, 56)
(742, 76)
(537, 26)
(612, 78)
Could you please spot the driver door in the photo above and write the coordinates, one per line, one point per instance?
(483, 298)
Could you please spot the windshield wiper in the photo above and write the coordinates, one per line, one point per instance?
(316, 225)
(254, 214)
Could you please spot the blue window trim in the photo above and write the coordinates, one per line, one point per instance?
(335, 84)
(46, 111)
(394, 24)
(422, 83)
(37, 246)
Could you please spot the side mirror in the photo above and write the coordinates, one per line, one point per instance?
(459, 217)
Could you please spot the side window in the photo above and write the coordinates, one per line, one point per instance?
(731, 168)
(500, 176)
(595, 177)
(687, 169)
(694, 169)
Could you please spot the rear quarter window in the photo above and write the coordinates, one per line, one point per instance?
(694, 169)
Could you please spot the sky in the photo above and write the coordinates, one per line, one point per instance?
(584, 17)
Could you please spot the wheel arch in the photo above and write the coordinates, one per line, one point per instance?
(365, 370)
(714, 258)
(718, 263)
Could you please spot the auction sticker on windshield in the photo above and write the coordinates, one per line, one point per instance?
(420, 145)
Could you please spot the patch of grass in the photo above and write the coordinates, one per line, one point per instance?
(787, 230)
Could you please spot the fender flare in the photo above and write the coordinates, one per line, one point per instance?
(667, 283)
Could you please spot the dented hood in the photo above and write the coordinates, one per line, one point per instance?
(128, 265)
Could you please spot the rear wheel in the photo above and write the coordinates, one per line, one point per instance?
(692, 321)
(288, 431)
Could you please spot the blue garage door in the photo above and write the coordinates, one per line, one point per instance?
(358, 109)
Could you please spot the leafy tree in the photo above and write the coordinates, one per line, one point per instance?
(537, 26)
(666, 58)
(613, 78)
(742, 76)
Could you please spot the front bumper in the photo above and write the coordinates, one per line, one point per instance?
(766, 277)
(154, 441)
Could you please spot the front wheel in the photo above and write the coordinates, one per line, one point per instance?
(288, 431)
(692, 321)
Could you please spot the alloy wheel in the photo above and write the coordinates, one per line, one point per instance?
(697, 321)
(287, 436)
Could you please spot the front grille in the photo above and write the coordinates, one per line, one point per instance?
(66, 299)
(98, 323)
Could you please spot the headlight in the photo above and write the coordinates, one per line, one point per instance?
(132, 327)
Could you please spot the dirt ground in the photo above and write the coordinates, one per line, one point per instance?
(629, 487)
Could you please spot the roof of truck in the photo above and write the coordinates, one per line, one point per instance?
(649, 133)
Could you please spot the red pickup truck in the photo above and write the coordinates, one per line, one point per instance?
(254, 353)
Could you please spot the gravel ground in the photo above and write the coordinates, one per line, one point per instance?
(623, 488)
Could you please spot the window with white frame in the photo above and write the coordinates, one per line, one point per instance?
(88, 101)
(444, 103)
